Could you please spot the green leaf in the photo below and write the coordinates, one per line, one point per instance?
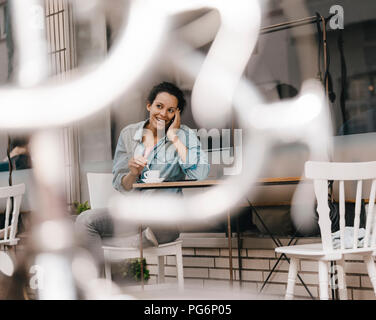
(135, 270)
(81, 207)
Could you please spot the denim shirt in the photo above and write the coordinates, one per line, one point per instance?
(164, 156)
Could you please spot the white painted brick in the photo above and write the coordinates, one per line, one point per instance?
(170, 271)
(207, 252)
(309, 265)
(171, 260)
(353, 257)
(283, 265)
(255, 264)
(252, 275)
(152, 280)
(222, 274)
(198, 262)
(196, 272)
(199, 272)
(360, 258)
(253, 253)
(151, 260)
(308, 278)
(365, 282)
(280, 277)
(349, 294)
(258, 243)
(207, 243)
(363, 294)
(225, 252)
(356, 267)
(153, 269)
(249, 286)
(273, 288)
(352, 281)
(299, 290)
(224, 263)
(188, 251)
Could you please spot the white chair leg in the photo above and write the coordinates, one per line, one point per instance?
(293, 271)
(161, 273)
(371, 270)
(179, 267)
(107, 270)
(323, 280)
(342, 287)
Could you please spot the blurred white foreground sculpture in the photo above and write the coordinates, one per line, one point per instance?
(218, 90)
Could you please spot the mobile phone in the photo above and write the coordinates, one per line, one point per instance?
(169, 124)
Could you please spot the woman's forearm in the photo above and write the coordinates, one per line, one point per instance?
(128, 181)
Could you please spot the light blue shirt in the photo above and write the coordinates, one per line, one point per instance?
(164, 156)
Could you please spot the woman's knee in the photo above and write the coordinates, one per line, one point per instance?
(92, 219)
(83, 219)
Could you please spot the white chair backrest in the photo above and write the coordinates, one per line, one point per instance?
(100, 189)
(10, 227)
(24, 176)
(321, 172)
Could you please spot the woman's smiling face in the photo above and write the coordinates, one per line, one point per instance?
(162, 110)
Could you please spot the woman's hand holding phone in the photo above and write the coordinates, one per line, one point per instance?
(171, 132)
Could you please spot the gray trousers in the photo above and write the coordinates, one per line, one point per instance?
(96, 227)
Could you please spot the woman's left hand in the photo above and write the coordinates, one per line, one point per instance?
(171, 132)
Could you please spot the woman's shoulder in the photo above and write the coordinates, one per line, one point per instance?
(133, 126)
(188, 130)
(131, 132)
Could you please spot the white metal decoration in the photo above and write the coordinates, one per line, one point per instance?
(218, 89)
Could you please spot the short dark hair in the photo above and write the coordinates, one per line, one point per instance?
(169, 88)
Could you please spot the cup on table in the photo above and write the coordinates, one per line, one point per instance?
(152, 174)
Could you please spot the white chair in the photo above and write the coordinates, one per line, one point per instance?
(9, 232)
(100, 191)
(324, 252)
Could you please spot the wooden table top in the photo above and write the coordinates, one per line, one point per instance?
(208, 183)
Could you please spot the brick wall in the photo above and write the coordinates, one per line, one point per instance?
(206, 265)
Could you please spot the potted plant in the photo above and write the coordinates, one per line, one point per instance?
(135, 270)
(80, 207)
(128, 272)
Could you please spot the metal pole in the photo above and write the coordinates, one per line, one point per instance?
(288, 25)
(325, 55)
(229, 245)
(240, 246)
(141, 259)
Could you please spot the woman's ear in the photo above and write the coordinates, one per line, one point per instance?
(148, 106)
